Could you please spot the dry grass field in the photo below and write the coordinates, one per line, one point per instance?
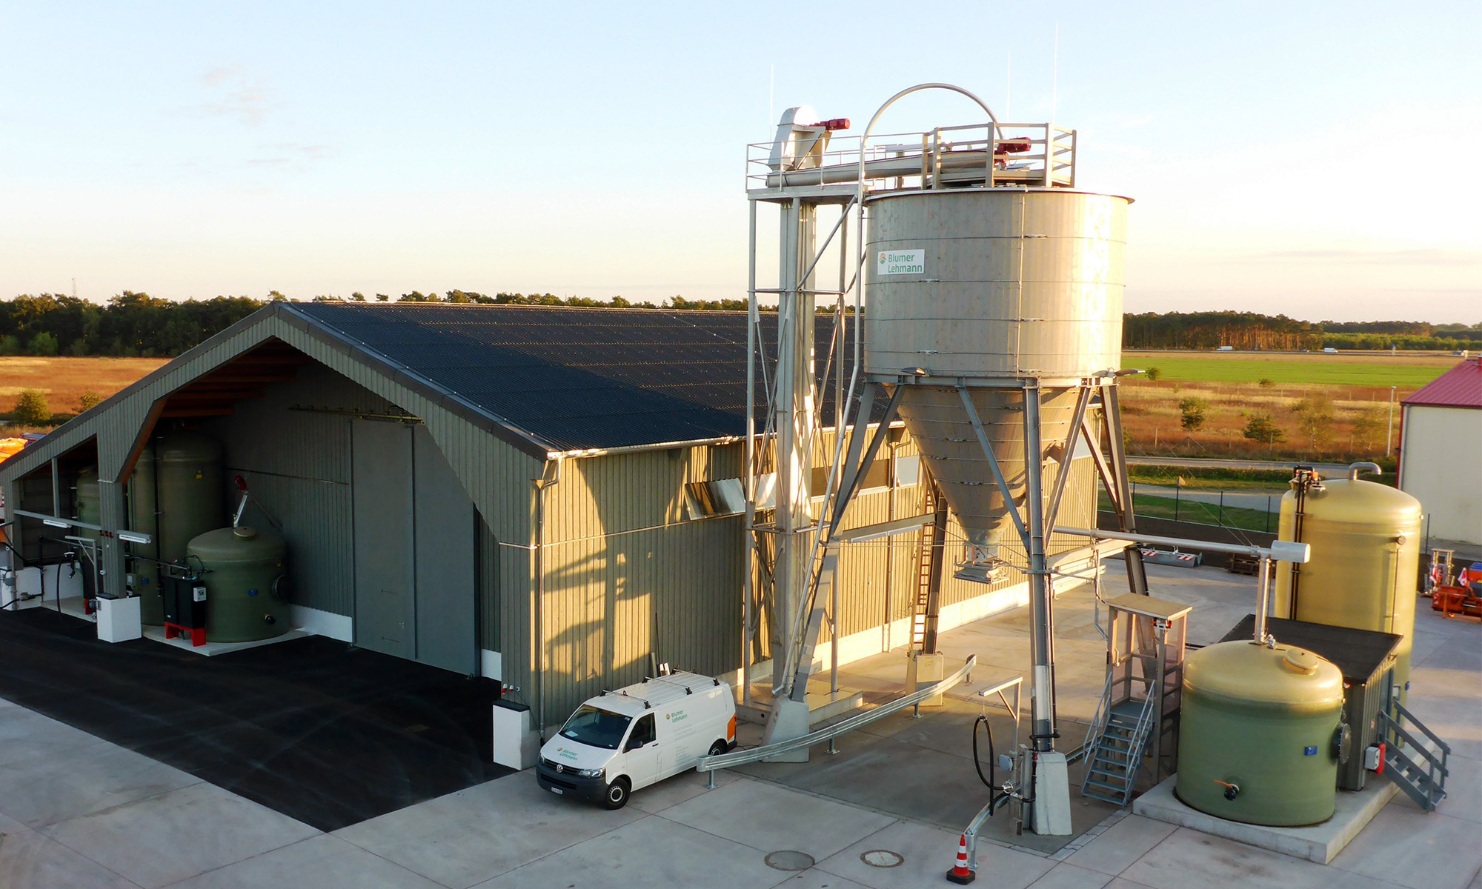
(64, 380)
(1354, 388)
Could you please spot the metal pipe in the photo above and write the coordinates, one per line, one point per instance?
(550, 475)
(748, 457)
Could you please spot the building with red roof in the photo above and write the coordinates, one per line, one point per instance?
(1441, 454)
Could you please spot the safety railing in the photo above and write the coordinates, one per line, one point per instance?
(1027, 154)
(711, 764)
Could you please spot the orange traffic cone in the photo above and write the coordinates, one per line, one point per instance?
(960, 873)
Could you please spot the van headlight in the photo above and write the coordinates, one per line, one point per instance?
(590, 773)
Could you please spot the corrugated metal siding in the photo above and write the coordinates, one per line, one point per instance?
(293, 448)
(629, 575)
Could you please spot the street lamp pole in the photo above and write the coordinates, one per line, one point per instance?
(1389, 436)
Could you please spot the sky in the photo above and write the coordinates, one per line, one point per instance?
(1311, 159)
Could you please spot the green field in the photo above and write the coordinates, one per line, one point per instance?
(1406, 372)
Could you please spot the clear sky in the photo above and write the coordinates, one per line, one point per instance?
(1312, 159)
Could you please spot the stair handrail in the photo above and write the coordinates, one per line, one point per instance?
(1437, 763)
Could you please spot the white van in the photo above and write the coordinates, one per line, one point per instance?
(625, 740)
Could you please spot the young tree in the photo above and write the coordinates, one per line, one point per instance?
(1153, 373)
(88, 400)
(1192, 411)
(31, 409)
(1366, 426)
(1262, 427)
(1315, 415)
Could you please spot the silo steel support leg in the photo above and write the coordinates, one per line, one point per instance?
(1041, 597)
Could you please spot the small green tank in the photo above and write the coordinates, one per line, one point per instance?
(1260, 734)
(246, 586)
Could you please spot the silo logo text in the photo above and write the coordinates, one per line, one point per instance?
(900, 262)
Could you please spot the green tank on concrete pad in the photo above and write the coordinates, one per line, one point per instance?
(1365, 540)
(1260, 734)
(176, 493)
(246, 585)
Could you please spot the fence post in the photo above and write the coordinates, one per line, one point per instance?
(1177, 488)
(1268, 513)
(1221, 519)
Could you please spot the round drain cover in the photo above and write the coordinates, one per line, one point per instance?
(882, 858)
(789, 859)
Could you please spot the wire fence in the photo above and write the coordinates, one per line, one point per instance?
(1227, 509)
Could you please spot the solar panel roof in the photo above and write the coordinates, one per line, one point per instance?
(577, 378)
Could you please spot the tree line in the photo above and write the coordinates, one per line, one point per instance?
(139, 325)
(1252, 331)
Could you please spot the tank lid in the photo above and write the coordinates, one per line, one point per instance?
(1300, 660)
(1284, 675)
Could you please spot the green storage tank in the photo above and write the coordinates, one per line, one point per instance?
(1260, 736)
(246, 586)
(1365, 540)
(177, 492)
(87, 506)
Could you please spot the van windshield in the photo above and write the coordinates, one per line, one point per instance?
(596, 728)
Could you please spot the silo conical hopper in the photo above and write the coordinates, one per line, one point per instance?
(997, 292)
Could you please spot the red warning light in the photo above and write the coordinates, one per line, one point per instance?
(836, 123)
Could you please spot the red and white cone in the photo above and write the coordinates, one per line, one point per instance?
(960, 873)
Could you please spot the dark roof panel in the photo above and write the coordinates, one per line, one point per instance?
(577, 378)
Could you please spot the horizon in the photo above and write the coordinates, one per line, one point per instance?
(595, 151)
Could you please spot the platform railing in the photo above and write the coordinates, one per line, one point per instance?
(1026, 154)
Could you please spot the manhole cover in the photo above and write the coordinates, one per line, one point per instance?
(788, 859)
(882, 858)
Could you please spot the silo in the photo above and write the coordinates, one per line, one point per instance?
(1365, 540)
(1006, 294)
(176, 493)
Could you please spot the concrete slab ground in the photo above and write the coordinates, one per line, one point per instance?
(873, 816)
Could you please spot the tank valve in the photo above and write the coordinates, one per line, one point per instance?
(269, 619)
(1231, 790)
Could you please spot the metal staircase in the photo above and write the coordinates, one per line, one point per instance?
(1121, 738)
(1420, 767)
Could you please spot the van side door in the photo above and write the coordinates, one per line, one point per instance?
(641, 752)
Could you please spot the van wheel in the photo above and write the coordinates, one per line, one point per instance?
(718, 748)
(617, 794)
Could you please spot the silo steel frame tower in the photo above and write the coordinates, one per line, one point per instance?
(993, 330)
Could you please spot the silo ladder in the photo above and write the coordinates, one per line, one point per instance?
(923, 572)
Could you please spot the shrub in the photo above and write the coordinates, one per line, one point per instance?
(31, 409)
(1192, 413)
(1154, 373)
(1263, 428)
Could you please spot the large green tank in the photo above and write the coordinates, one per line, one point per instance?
(87, 508)
(176, 493)
(246, 589)
(1365, 540)
(1260, 735)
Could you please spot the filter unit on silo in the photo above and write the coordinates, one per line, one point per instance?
(1260, 736)
(1365, 540)
(242, 569)
(176, 493)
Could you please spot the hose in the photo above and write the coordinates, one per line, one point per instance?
(991, 779)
